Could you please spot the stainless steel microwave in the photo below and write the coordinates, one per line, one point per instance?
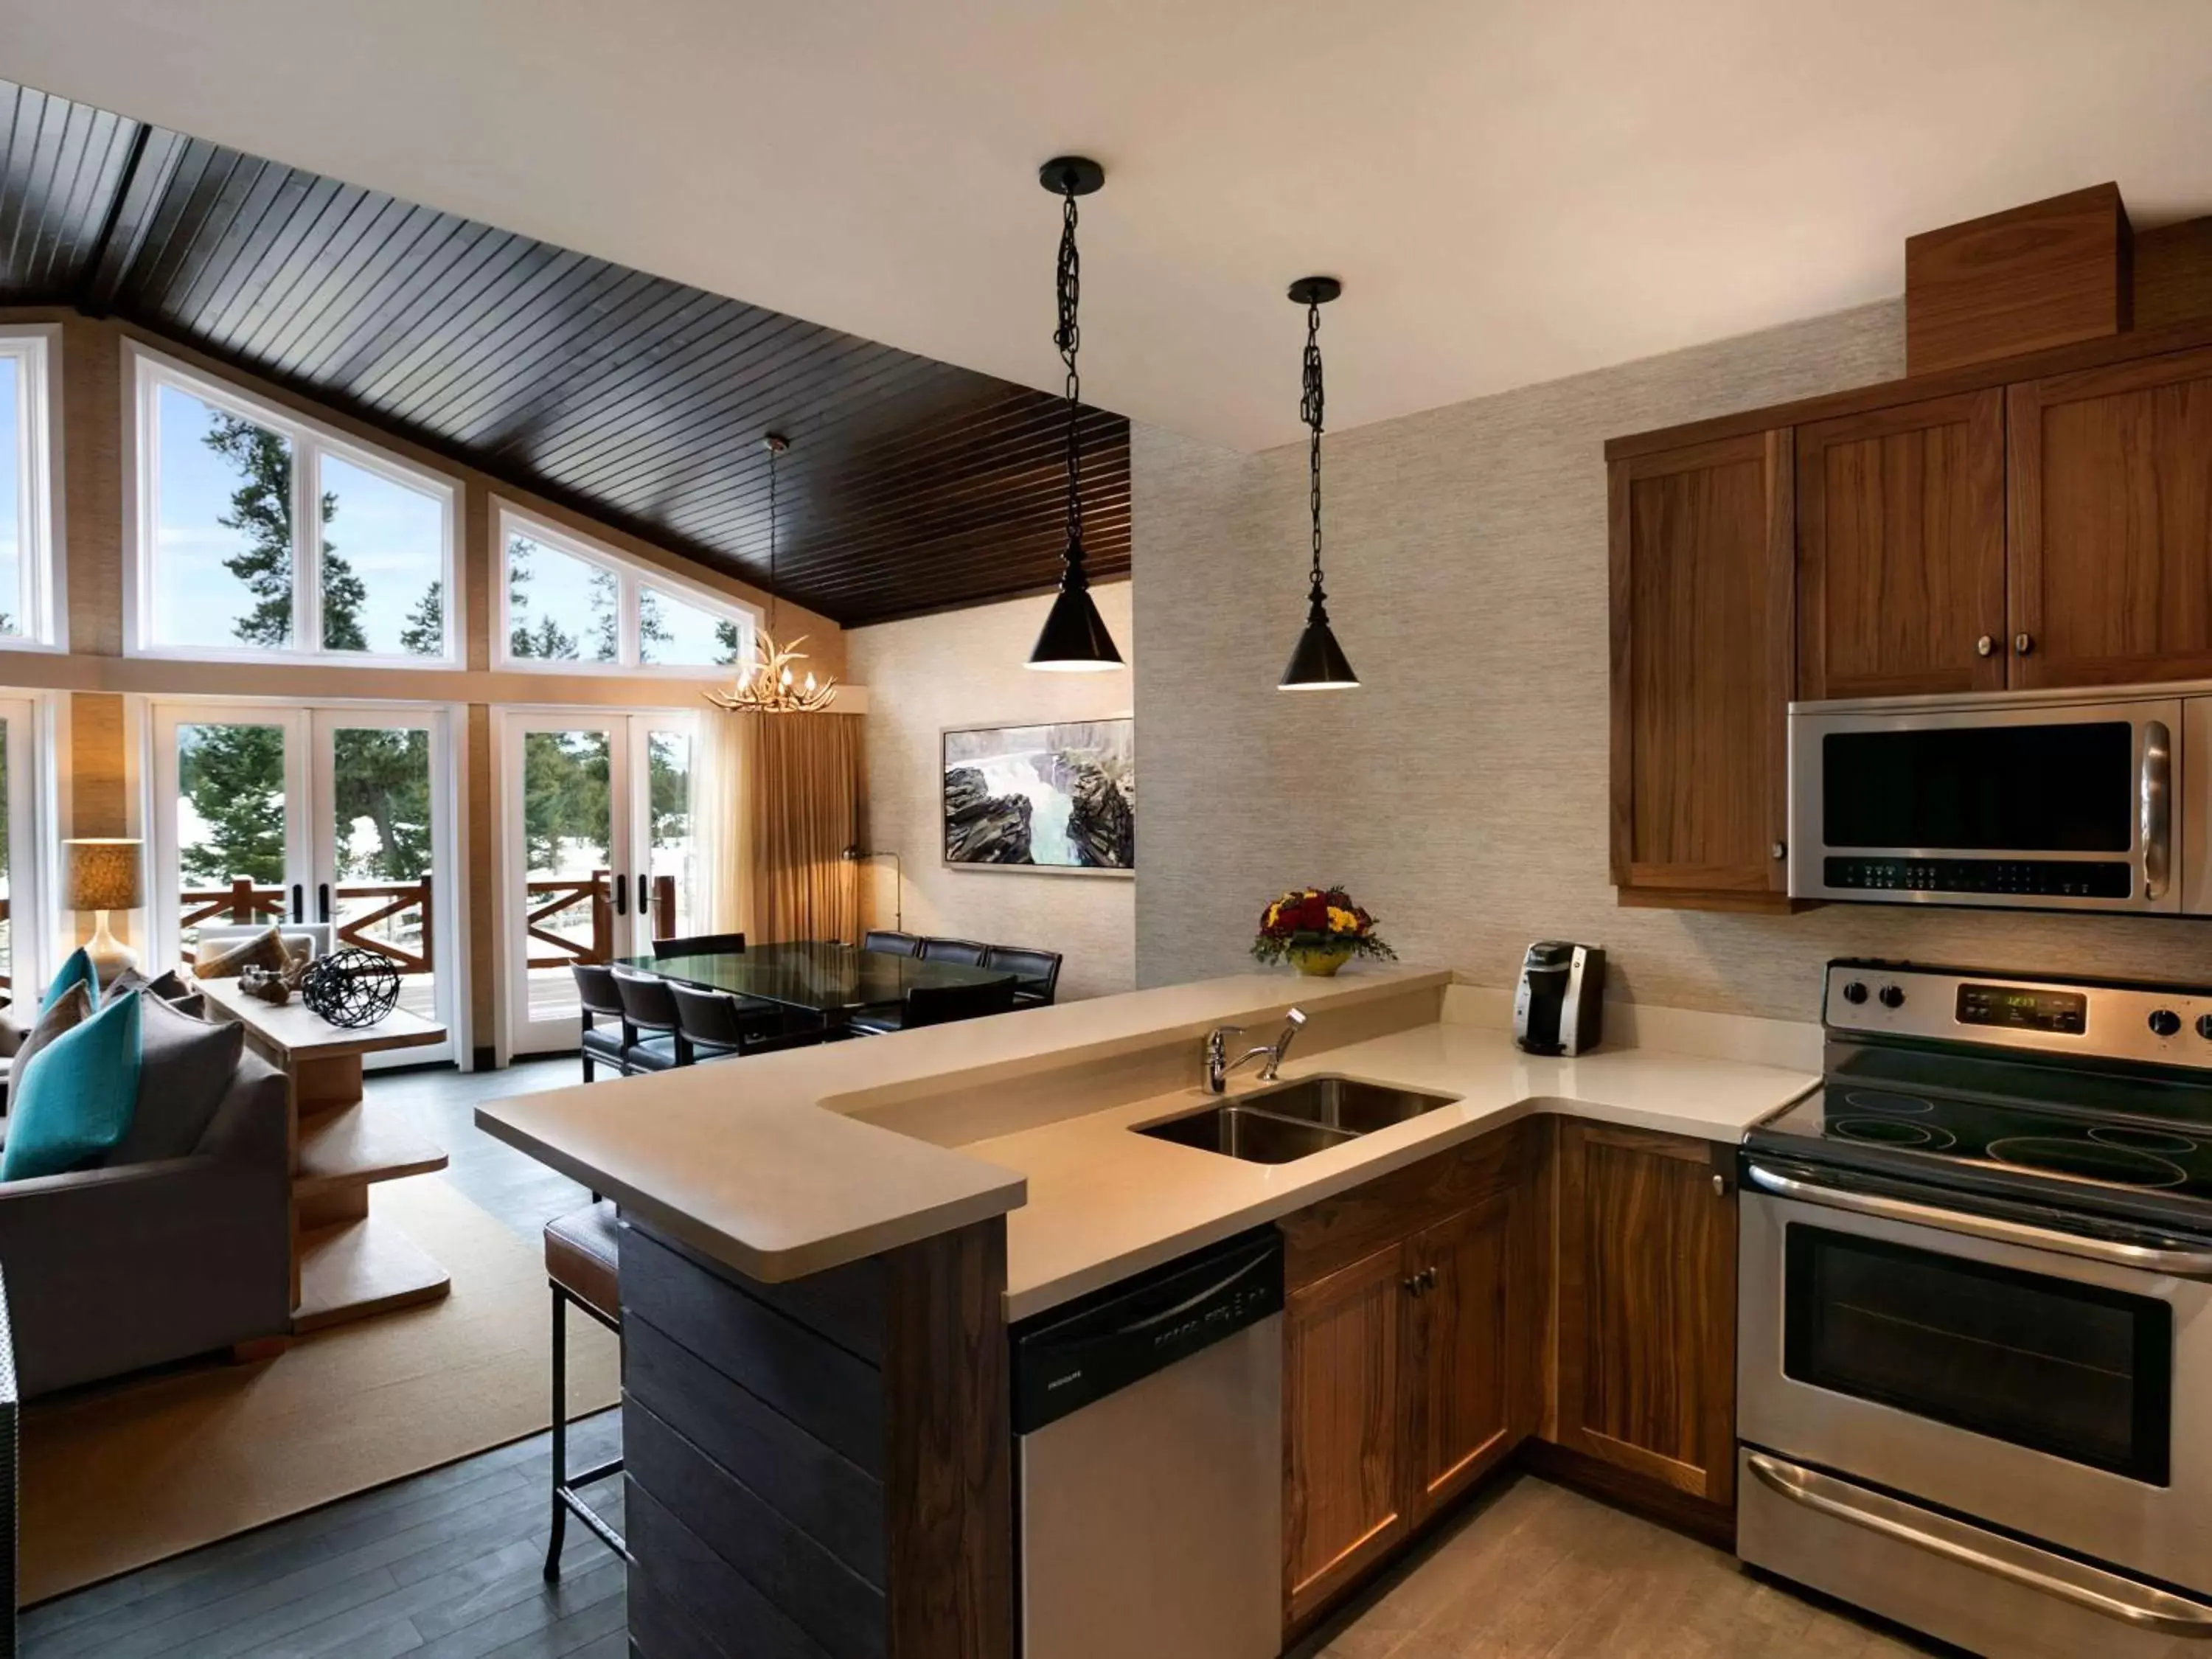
(2096, 799)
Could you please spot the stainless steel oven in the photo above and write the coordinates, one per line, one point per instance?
(1963, 1412)
(2050, 800)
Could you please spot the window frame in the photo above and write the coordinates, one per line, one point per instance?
(631, 574)
(146, 373)
(42, 596)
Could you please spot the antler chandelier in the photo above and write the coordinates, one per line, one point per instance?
(773, 686)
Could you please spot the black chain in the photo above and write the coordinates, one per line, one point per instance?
(1309, 411)
(1068, 336)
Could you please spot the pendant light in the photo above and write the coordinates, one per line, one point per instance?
(1318, 662)
(770, 686)
(1075, 637)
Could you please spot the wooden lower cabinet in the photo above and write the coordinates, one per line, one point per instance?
(1570, 1280)
(1646, 1285)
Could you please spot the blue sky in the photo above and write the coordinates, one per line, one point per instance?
(388, 533)
(11, 487)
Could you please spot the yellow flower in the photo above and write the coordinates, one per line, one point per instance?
(1342, 921)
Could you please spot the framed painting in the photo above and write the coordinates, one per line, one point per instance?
(1058, 798)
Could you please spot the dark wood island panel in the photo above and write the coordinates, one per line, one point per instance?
(823, 1468)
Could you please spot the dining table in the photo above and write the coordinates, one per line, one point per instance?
(831, 981)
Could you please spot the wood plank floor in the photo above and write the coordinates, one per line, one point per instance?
(446, 1565)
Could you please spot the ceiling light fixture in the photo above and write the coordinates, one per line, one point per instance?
(1074, 637)
(771, 687)
(1318, 664)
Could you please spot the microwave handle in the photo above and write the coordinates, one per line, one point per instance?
(2157, 808)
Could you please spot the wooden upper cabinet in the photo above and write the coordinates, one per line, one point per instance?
(2110, 524)
(1901, 550)
(1343, 1424)
(1647, 1306)
(1703, 661)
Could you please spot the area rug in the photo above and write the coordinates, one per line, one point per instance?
(115, 1478)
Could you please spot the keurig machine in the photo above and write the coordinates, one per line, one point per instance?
(1560, 1006)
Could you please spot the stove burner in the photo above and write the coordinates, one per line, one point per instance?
(1892, 1132)
(1880, 1100)
(2143, 1140)
(2088, 1160)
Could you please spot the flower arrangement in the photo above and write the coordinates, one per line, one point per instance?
(1317, 930)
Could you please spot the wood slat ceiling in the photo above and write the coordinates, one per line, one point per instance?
(910, 485)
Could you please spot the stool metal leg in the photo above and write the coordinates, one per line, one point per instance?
(566, 1500)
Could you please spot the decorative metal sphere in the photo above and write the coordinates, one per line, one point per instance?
(352, 987)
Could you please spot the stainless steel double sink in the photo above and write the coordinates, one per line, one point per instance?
(1291, 1120)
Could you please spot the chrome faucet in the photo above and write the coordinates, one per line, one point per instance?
(1218, 1065)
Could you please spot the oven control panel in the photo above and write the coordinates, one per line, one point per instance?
(2164, 1024)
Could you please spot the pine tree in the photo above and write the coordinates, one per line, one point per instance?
(261, 512)
(424, 634)
(606, 646)
(383, 774)
(233, 775)
(549, 638)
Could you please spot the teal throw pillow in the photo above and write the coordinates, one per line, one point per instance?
(77, 970)
(74, 1101)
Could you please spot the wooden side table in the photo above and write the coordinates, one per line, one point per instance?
(346, 1263)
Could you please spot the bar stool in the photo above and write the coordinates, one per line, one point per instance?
(583, 1261)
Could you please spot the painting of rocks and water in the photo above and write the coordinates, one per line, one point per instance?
(1043, 797)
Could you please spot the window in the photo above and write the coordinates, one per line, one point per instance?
(30, 607)
(232, 559)
(569, 603)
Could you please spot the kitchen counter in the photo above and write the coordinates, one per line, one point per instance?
(1104, 1203)
(772, 1166)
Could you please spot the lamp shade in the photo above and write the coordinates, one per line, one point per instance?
(104, 874)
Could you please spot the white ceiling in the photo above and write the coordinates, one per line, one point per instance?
(1512, 189)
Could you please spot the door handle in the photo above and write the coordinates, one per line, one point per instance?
(298, 902)
(621, 895)
(2139, 1605)
(322, 901)
(2157, 808)
(2144, 1258)
(641, 906)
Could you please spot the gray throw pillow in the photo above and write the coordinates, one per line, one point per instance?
(184, 1069)
(72, 1007)
(167, 986)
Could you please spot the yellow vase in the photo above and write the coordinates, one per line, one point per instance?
(1319, 960)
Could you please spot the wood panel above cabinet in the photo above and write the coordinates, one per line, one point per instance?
(1703, 625)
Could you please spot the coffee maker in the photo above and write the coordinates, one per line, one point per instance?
(1560, 1006)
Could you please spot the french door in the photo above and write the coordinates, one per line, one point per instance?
(336, 815)
(598, 854)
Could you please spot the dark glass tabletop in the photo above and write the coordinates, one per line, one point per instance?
(827, 978)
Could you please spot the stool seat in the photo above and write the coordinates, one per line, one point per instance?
(583, 1255)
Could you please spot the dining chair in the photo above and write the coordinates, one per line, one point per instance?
(1036, 973)
(716, 1026)
(936, 1005)
(700, 944)
(600, 999)
(649, 1005)
(965, 951)
(892, 944)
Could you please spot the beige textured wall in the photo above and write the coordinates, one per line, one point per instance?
(965, 668)
(1461, 793)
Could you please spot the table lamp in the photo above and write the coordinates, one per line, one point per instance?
(104, 874)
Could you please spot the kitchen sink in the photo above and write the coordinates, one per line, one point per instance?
(1291, 1121)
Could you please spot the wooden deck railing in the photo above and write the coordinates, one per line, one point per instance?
(242, 902)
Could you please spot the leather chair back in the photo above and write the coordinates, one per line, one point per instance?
(596, 989)
(700, 944)
(647, 1001)
(1036, 973)
(892, 944)
(942, 1005)
(964, 951)
(708, 1019)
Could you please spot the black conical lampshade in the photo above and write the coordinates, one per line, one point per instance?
(1318, 662)
(1075, 639)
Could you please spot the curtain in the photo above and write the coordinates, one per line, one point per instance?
(779, 809)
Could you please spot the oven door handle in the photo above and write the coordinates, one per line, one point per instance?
(2144, 1258)
(2157, 808)
(2140, 1605)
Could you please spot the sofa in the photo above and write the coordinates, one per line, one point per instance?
(129, 1265)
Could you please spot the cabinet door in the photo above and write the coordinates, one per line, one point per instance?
(1467, 1344)
(2110, 524)
(1901, 550)
(1647, 1306)
(1343, 1501)
(1704, 658)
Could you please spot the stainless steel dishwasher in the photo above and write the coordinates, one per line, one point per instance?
(1148, 1421)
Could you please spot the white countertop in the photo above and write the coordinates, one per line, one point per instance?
(744, 1161)
(1104, 1203)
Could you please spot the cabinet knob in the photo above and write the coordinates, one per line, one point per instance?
(1780, 849)
(1720, 1185)
(1411, 1286)
(2023, 643)
(1983, 646)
